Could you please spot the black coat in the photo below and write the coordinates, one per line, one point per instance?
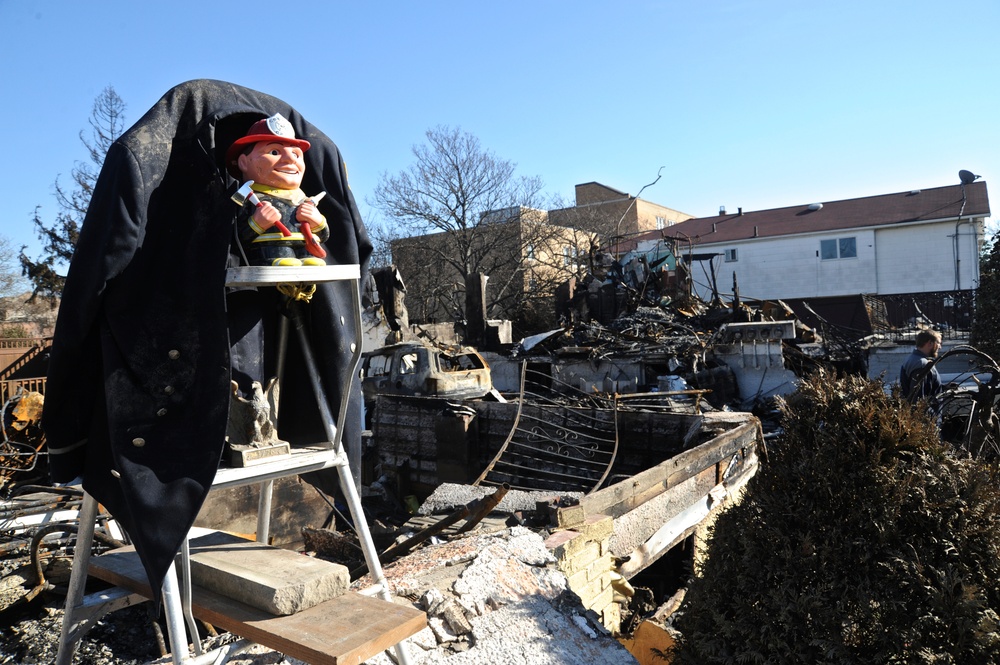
(147, 337)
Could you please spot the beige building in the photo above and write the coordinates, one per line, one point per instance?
(614, 215)
(524, 256)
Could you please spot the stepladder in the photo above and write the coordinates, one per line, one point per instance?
(309, 637)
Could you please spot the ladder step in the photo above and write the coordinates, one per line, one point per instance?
(350, 628)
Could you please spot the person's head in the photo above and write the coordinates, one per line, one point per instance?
(928, 342)
(269, 154)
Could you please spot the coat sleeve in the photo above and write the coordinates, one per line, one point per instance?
(109, 237)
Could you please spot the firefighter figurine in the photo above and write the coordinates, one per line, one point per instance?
(283, 227)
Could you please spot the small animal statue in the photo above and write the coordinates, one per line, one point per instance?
(252, 422)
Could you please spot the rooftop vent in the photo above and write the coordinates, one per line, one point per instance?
(914, 192)
(722, 210)
(815, 206)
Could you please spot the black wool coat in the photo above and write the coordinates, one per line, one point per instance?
(148, 338)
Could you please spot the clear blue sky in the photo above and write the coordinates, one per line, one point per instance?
(746, 103)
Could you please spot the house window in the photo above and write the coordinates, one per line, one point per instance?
(530, 252)
(839, 248)
(661, 223)
(730, 255)
(567, 256)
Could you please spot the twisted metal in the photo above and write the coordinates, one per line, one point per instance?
(565, 441)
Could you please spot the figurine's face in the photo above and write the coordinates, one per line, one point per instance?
(274, 164)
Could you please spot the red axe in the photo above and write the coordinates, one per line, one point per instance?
(245, 193)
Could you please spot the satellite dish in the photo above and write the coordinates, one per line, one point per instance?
(967, 177)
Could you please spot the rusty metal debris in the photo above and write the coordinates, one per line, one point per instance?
(564, 449)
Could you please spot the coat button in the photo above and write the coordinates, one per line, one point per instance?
(168, 390)
(173, 354)
(138, 442)
(353, 347)
(161, 412)
(115, 474)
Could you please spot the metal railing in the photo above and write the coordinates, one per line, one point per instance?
(10, 387)
(949, 312)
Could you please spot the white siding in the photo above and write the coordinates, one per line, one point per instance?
(927, 258)
(790, 267)
(909, 259)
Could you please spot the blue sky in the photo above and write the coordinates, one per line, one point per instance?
(745, 103)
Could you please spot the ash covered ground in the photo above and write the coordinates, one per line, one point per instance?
(29, 630)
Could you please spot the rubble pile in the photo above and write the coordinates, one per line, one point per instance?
(497, 598)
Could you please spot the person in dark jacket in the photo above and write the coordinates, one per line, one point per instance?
(148, 336)
(927, 345)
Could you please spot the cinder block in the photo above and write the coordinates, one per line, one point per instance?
(570, 516)
(611, 617)
(593, 596)
(580, 558)
(596, 527)
(602, 565)
(562, 544)
(278, 581)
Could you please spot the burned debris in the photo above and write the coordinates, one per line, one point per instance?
(588, 460)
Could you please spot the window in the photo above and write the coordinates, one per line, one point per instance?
(567, 255)
(408, 363)
(379, 365)
(839, 248)
(731, 255)
(848, 248)
(530, 251)
(460, 363)
(661, 223)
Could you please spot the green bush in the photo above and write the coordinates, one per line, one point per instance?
(862, 539)
(13, 331)
(986, 321)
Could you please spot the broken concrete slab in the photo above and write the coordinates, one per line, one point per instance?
(498, 598)
(451, 496)
(278, 581)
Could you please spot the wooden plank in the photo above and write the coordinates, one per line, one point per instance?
(346, 630)
(691, 462)
(626, 495)
(682, 524)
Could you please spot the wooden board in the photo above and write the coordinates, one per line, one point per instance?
(346, 630)
(628, 494)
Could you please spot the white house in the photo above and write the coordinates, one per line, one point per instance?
(910, 242)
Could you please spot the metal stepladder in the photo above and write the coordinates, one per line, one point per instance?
(82, 611)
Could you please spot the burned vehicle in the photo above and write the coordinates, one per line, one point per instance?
(417, 369)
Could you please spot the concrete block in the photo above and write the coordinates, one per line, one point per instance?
(563, 543)
(278, 581)
(581, 558)
(593, 596)
(596, 527)
(611, 617)
(570, 516)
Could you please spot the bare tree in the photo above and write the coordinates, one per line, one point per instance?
(11, 282)
(107, 122)
(460, 210)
